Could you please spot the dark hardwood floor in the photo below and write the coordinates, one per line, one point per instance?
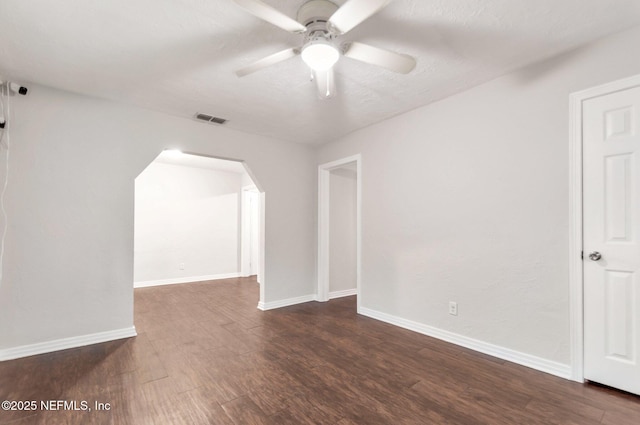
(205, 355)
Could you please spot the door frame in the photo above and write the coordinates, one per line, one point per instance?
(324, 174)
(576, 230)
(246, 232)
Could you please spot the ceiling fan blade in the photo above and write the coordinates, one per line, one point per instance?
(392, 61)
(271, 15)
(326, 83)
(268, 61)
(354, 12)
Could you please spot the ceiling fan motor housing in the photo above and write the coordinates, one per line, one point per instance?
(314, 14)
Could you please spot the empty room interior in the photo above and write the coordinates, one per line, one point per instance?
(328, 212)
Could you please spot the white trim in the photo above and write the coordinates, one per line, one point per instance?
(576, 294)
(263, 241)
(245, 243)
(323, 235)
(65, 343)
(245, 231)
(533, 362)
(271, 305)
(188, 279)
(358, 232)
(575, 240)
(323, 225)
(345, 293)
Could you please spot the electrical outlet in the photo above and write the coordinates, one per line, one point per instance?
(453, 308)
(181, 266)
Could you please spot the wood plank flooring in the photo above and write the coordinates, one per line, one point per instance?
(205, 355)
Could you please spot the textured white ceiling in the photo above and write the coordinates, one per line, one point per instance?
(178, 56)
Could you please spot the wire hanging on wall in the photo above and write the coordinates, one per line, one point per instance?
(5, 144)
(7, 89)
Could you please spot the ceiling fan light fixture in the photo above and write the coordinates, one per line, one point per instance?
(320, 55)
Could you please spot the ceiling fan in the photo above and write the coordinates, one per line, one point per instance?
(322, 22)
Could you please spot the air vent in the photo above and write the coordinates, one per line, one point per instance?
(218, 120)
(210, 118)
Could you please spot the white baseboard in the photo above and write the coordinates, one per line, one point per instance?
(340, 294)
(188, 279)
(533, 362)
(271, 305)
(65, 343)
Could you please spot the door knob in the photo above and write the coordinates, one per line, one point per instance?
(595, 256)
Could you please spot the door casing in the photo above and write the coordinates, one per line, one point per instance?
(576, 272)
(324, 171)
(249, 254)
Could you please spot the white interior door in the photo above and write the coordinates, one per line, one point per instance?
(611, 147)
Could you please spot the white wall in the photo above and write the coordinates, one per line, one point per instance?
(467, 200)
(68, 268)
(342, 230)
(186, 216)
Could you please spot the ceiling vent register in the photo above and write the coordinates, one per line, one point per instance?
(210, 118)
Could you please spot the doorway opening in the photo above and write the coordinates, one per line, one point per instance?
(190, 219)
(339, 229)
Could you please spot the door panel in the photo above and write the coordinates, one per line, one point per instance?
(611, 147)
(620, 315)
(618, 214)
